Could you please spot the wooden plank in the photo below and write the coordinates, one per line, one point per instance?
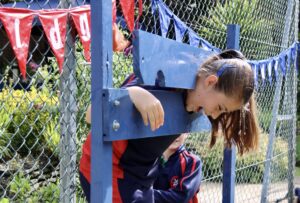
(119, 110)
(176, 63)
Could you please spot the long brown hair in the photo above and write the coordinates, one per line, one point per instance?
(235, 80)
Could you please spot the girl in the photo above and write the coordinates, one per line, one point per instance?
(224, 92)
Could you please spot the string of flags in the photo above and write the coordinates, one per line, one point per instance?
(270, 67)
(18, 23)
(165, 17)
(264, 68)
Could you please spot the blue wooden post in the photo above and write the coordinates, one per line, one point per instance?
(101, 46)
(233, 34)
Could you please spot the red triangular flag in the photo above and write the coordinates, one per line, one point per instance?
(114, 10)
(17, 23)
(54, 23)
(82, 20)
(128, 12)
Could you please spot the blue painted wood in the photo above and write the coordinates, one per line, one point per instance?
(118, 107)
(229, 175)
(233, 35)
(101, 181)
(177, 62)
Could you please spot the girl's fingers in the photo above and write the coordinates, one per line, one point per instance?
(157, 116)
(145, 118)
(161, 114)
(151, 116)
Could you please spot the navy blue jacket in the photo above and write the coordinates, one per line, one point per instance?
(135, 163)
(179, 178)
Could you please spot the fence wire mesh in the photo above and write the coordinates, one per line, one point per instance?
(42, 117)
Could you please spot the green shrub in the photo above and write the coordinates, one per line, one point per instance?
(30, 123)
(265, 118)
(31, 112)
(298, 150)
(21, 190)
(255, 29)
(52, 136)
(4, 200)
(48, 193)
(20, 187)
(122, 66)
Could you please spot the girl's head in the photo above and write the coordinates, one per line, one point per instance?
(224, 91)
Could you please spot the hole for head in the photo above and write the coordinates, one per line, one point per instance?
(160, 79)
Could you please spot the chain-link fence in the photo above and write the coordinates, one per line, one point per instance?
(42, 116)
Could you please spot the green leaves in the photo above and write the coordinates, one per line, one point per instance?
(20, 186)
(249, 167)
(256, 29)
(122, 66)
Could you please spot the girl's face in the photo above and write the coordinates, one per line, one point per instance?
(212, 102)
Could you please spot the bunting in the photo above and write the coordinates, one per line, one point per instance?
(180, 29)
(165, 17)
(82, 20)
(54, 24)
(281, 62)
(127, 7)
(17, 24)
(263, 68)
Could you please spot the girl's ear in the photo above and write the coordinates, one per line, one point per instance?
(210, 81)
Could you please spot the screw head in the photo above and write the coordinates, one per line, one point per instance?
(116, 125)
(116, 102)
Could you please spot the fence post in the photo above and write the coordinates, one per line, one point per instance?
(272, 129)
(101, 50)
(68, 114)
(292, 141)
(233, 34)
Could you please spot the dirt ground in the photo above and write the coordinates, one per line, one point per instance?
(245, 193)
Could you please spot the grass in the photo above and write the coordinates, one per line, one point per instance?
(297, 173)
(298, 149)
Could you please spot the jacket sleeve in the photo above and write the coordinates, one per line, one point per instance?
(188, 185)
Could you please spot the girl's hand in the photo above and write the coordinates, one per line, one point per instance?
(148, 105)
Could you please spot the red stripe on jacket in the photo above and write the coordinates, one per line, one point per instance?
(85, 164)
(183, 165)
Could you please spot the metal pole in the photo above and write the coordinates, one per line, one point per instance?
(101, 46)
(233, 35)
(292, 140)
(68, 109)
(272, 129)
